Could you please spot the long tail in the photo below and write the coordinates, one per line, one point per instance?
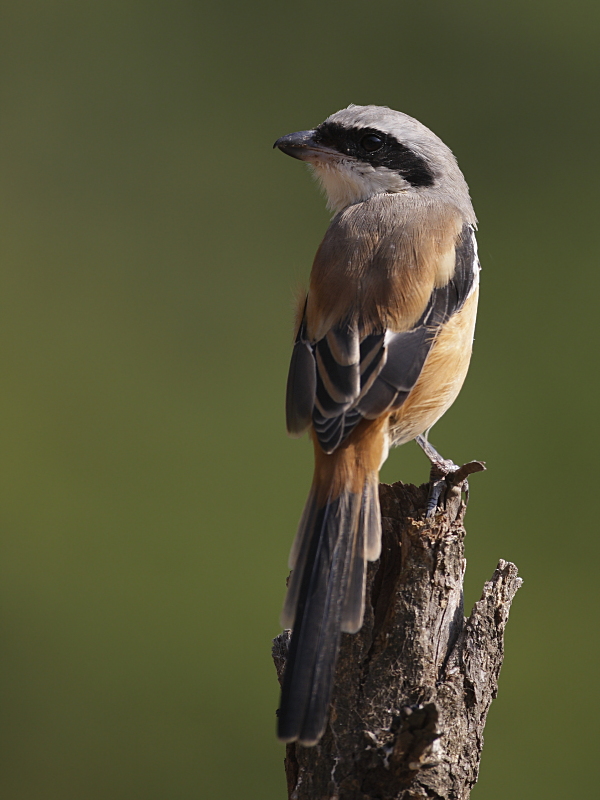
(339, 532)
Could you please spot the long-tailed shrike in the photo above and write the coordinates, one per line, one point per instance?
(383, 343)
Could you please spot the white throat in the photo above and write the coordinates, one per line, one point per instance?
(346, 182)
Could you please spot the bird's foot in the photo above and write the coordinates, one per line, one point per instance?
(445, 475)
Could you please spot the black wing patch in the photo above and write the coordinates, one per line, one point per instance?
(301, 385)
(342, 379)
(339, 385)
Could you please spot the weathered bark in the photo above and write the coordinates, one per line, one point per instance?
(414, 686)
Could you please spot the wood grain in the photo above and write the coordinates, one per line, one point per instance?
(414, 686)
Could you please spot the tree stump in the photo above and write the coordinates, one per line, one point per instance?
(414, 685)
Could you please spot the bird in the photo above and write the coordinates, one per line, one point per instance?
(383, 340)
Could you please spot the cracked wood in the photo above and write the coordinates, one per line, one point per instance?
(414, 686)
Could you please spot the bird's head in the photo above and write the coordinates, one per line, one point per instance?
(362, 151)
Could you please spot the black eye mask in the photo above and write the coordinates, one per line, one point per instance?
(378, 149)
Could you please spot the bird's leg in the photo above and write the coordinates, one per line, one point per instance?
(445, 474)
(441, 468)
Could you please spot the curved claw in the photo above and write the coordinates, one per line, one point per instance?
(436, 490)
(445, 475)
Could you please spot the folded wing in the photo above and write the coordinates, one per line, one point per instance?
(342, 378)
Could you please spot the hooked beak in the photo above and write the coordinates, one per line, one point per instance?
(302, 145)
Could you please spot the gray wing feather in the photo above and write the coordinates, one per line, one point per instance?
(301, 389)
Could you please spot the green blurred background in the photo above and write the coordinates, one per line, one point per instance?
(151, 244)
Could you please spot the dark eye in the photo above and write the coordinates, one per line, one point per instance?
(371, 142)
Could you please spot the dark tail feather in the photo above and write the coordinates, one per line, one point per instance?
(325, 596)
